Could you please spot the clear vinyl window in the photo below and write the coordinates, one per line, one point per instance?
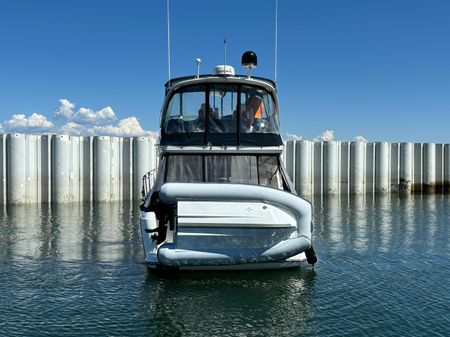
(216, 107)
(223, 109)
(186, 111)
(258, 112)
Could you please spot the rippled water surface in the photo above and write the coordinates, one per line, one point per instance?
(383, 270)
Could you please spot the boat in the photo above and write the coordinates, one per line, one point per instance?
(221, 198)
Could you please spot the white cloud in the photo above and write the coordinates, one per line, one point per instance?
(36, 123)
(87, 122)
(360, 139)
(88, 116)
(128, 127)
(325, 136)
(84, 122)
(291, 136)
(65, 109)
(84, 115)
(74, 129)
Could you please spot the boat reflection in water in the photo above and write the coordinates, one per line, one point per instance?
(232, 304)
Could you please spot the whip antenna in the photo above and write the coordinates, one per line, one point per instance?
(276, 39)
(168, 38)
(225, 54)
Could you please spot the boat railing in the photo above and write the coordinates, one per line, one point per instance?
(147, 183)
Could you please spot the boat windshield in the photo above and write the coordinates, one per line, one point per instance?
(217, 113)
(261, 170)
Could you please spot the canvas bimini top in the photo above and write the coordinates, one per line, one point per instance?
(220, 110)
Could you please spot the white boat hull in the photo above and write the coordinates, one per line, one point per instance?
(243, 227)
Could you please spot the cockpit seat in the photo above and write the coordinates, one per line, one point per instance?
(224, 125)
(174, 125)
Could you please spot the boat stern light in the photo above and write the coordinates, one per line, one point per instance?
(249, 61)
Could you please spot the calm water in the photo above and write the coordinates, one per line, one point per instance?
(384, 270)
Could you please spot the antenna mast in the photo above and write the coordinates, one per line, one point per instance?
(168, 37)
(276, 39)
(225, 55)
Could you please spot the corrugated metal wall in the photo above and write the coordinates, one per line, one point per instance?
(358, 167)
(61, 168)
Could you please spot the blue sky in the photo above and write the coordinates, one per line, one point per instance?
(377, 69)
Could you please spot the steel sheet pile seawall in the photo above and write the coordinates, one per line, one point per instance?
(335, 167)
(61, 168)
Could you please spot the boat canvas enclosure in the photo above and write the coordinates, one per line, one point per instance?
(220, 111)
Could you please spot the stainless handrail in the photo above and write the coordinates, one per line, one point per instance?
(147, 183)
